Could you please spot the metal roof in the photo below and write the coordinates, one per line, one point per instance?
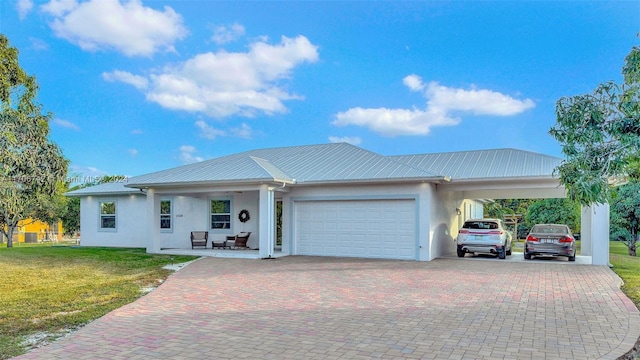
(113, 188)
(484, 164)
(337, 162)
(340, 162)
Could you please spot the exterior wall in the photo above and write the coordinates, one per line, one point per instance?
(191, 213)
(188, 214)
(131, 222)
(449, 210)
(420, 192)
(247, 201)
(444, 223)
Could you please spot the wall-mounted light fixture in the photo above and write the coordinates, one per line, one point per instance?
(458, 212)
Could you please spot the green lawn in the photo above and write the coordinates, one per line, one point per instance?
(47, 291)
(628, 268)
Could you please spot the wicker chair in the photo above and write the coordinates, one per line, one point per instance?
(238, 241)
(199, 238)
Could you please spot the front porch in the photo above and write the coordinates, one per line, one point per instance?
(221, 253)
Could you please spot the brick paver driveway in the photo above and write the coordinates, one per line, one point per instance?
(336, 308)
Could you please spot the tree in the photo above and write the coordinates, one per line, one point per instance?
(554, 211)
(71, 217)
(625, 216)
(600, 136)
(504, 207)
(32, 168)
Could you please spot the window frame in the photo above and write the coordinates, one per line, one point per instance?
(222, 230)
(169, 216)
(102, 216)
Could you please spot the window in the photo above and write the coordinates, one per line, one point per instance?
(165, 215)
(220, 214)
(108, 215)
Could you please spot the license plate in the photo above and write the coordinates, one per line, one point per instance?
(548, 241)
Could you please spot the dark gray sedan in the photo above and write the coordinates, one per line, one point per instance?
(550, 240)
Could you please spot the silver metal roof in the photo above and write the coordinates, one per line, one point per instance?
(335, 162)
(484, 164)
(113, 188)
(340, 162)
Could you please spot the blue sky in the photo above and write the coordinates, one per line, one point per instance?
(139, 86)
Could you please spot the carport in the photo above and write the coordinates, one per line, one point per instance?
(512, 174)
(594, 219)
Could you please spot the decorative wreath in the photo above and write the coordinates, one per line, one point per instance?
(244, 216)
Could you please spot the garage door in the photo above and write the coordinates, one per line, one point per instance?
(356, 228)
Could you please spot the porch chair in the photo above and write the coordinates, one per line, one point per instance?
(238, 241)
(199, 238)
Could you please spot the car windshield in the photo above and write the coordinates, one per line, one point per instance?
(549, 229)
(480, 225)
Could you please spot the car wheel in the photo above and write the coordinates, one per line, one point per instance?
(573, 257)
(501, 254)
(509, 251)
(460, 253)
(527, 256)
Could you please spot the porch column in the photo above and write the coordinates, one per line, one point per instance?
(153, 224)
(267, 221)
(600, 234)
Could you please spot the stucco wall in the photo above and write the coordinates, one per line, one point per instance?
(130, 222)
(191, 213)
(448, 212)
(188, 214)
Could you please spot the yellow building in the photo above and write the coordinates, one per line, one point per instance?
(31, 231)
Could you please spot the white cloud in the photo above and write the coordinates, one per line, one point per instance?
(393, 122)
(58, 8)
(226, 34)
(477, 101)
(133, 152)
(442, 101)
(226, 83)
(139, 82)
(209, 132)
(66, 124)
(24, 7)
(38, 44)
(413, 82)
(186, 154)
(127, 27)
(137, 132)
(244, 131)
(348, 139)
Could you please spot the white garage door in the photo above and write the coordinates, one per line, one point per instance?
(356, 228)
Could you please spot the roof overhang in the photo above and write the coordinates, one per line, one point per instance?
(224, 183)
(508, 188)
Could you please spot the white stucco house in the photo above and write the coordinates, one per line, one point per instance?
(336, 199)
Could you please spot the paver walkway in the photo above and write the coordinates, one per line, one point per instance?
(336, 308)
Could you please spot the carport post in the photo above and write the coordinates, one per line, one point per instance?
(598, 228)
(585, 231)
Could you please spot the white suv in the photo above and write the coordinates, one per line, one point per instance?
(484, 236)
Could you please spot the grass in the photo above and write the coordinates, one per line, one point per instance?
(628, 268)
(47, 291)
